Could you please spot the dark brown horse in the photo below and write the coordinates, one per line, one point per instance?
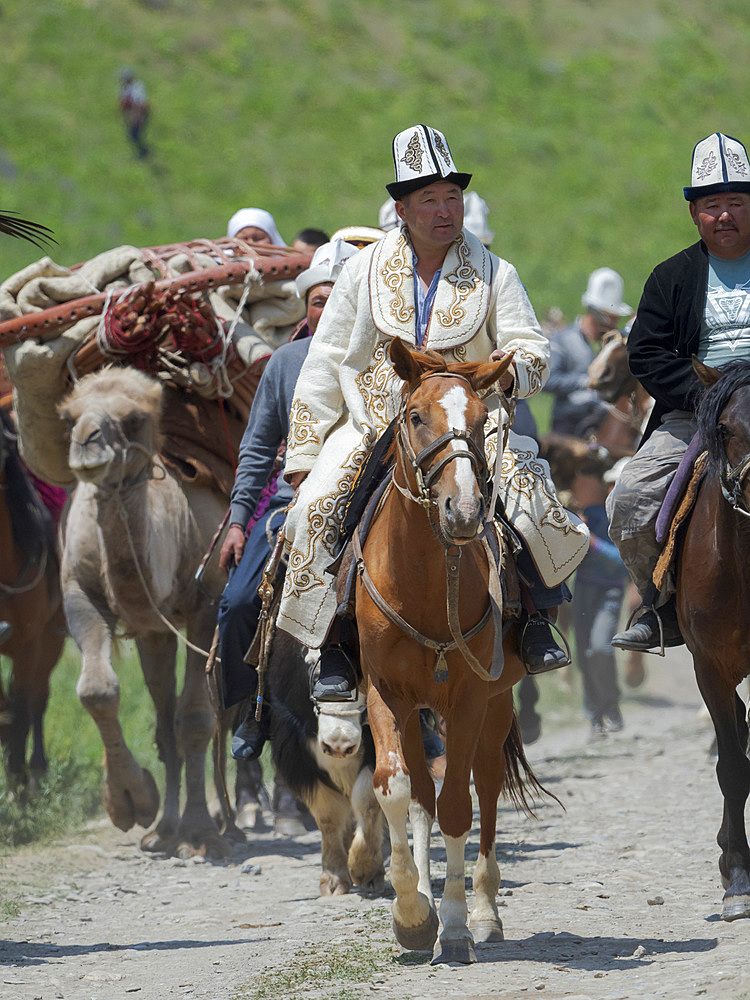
(427, 638)
(713, 604)
(30, 602)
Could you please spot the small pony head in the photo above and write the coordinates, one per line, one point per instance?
(441, 437)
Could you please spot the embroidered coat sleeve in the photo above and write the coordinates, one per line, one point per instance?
(513, 326)
(318, 398)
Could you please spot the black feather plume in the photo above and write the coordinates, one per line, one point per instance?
(24, 229)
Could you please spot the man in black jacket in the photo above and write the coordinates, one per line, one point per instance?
(695, 303)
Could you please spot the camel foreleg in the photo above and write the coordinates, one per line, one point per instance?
(129, 793)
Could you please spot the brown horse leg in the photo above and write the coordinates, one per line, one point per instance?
(415, 922)
(489, 776)
(733, 772)
(454, 807)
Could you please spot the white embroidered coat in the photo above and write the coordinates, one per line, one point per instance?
(347, 394)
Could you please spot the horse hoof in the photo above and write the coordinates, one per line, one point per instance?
(419, 938)
(735, 907)
(454, 952)
(487, 931)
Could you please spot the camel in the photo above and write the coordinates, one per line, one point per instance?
(132, 541)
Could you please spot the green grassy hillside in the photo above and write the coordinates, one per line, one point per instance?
(576, 118)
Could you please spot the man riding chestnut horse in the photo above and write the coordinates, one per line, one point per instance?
(433, 284)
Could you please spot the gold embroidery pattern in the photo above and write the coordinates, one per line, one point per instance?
(301, 423)
(395, 272)
(323, 521)
(378, 387)
(534, 366)
(413, 155)
(464, 280)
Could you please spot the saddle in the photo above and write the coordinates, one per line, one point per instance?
(676, 508)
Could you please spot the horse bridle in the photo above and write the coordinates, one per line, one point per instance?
(732, 479)
(415, 461)
(423, 498)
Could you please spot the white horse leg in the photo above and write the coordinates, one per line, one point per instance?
(485, 922)
(421, 829)
(415, 923)
(455, 943)
(366, 851)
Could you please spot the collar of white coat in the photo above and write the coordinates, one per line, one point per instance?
(462, 300)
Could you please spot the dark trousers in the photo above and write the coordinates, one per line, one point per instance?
(240, 605)
(596, 613)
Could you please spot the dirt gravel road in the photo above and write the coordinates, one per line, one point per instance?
(615, 898)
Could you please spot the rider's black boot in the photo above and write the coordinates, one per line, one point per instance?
(644, 634)
(539, 649)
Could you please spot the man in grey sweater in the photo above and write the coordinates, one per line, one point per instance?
(259, 501)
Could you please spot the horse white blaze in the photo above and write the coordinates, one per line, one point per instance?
(454, 403)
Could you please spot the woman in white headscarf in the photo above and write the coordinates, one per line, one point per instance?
(254, 225)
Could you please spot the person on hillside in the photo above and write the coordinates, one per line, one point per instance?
(244, 555)
(433, 284)
(254, 225)
(695, 303)
(577, 410)
(135, 110)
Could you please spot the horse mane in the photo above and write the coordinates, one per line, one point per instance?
(711, 402)
(31, 524)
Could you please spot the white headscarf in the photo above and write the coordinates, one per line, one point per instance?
(255, 217)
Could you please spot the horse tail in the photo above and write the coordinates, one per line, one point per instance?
(521, 785)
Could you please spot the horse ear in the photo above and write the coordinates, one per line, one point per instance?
(488, 373)
(709, 376)
(405, 364)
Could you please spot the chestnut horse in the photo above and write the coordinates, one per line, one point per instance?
(30, 602)
(713, 605)
(425, 641)
(628, 403)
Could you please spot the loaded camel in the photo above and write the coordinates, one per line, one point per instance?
(132, 540)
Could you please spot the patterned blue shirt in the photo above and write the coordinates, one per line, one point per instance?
(423, 302)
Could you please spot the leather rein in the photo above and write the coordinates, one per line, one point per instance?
(423, 497)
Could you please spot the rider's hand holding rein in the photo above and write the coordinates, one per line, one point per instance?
(506, 382)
